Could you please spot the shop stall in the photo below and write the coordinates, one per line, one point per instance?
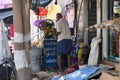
(47, 42)
(108, 68)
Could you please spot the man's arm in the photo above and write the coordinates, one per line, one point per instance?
(58, 29)
(58, 33)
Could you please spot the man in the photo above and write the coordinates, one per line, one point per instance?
(64, 44)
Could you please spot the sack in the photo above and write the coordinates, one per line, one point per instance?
(35, 58)
(94, 53)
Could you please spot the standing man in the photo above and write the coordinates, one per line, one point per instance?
(64, 44)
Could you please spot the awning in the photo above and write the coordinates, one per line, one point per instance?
(4, 4)
(5, 14)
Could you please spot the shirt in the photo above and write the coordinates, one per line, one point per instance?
(62, 26)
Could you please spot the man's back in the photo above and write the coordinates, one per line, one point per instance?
(63, 26)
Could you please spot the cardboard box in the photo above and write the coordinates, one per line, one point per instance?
(107, 76)
(117, 67)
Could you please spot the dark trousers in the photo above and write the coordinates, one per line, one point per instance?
(5, 73)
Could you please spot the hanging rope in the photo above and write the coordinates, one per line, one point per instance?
(113, 27)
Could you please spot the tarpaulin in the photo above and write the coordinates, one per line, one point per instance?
(82, 74)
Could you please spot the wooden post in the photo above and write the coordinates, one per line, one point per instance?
(119, 46)
(21, 18)
(85, 21)
(105, 31)
(99, 11)
(99, 18)
(99, 30)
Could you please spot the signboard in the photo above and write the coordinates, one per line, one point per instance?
(50, 57)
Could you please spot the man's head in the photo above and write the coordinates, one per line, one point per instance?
(59, 16)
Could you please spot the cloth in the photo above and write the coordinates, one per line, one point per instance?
(4, 48)
(73, 54)
(63, 27)
(82, 73)
(12, 31)
(77, 53)
(64, 46)
(80, 51)
(94, 52)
